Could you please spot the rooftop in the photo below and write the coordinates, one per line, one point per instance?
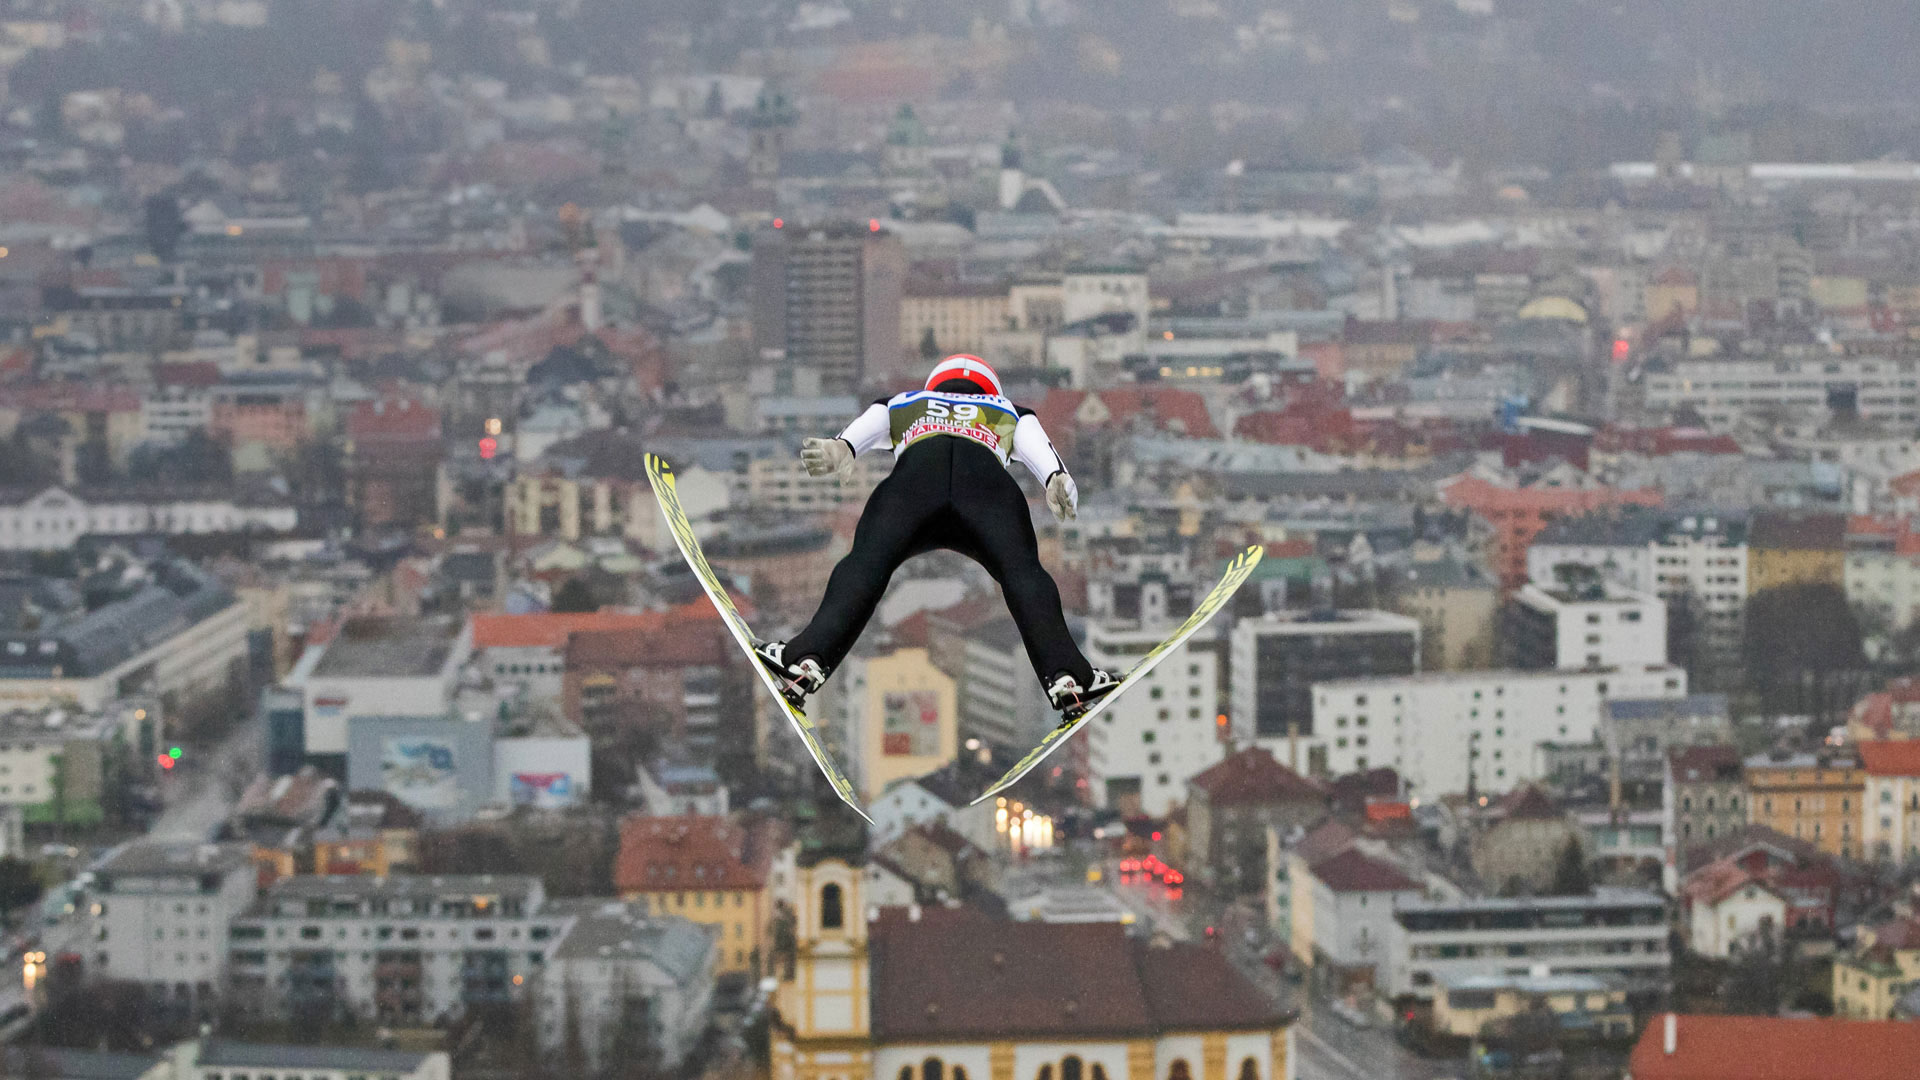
(1896, 758)
(219, 1053)
(146, 858)
(454, 886)
(1714, 705)
(1530, 984)
(1776, 1048)
(1601, 897)
(607, 928)
(1353, 871)
(693, 851)
(1030, 980)
(389, 647)
(1253, 775)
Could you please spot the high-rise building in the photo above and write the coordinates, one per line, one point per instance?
(1276, 659)
(827, 297)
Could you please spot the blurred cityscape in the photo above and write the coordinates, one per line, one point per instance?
(359, 719)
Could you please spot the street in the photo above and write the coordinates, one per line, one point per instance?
(1328, 1048)
(196, 791)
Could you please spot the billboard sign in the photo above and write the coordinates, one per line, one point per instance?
(420, 772)
(910, 724)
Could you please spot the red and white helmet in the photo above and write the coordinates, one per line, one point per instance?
(971, 368)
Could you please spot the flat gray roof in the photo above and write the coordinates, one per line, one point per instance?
(270, 1055)
(389, 647)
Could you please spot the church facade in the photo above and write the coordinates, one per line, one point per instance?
(953, 994)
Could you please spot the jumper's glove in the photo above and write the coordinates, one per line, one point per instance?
(1063, 498)
(824, 456)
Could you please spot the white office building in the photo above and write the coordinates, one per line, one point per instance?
(160, 914)
(1276, 659)
(378, 666)
(1813, 387)
(1437, 730)
(54, 520)
(1618, 932)
(1601, 625)
(1143, 749)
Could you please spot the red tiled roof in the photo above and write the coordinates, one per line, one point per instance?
(1164, 408)
(1716, 881)
(1329, 839)
(1355, 871)
(694, 851)
(399, 420)
(1776, 1048)
(1031, 980)
(551, 630)
(1902, 934)
(198, 374)
(1254, 776)
(1898, 758)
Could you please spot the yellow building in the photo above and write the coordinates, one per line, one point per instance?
(1457, 605)
(1885, 962)
(1469, 1004)
(1786, 548)
(959, 315)
(953, 994)
(1812, 797)
(710, 869)
(895, 716)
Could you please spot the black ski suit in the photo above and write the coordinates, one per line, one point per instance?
(949, 489)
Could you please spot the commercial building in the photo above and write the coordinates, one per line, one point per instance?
(531, 649)
(1595, 1006)
(440, 766)
(894, 716)
(1890, 821)
(1616, 932)
(713, 870)
(160, 917)
(828, 298)
(1815, 387)
(376, 666)
(1817, 797)
(1146, 746)
(1276, 659)
(1586, 627)
(180, 633)
(1444, 732)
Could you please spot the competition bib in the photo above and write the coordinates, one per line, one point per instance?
(983, 418)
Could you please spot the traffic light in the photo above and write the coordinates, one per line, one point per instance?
(488, 445)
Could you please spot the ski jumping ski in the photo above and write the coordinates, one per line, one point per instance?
(660, 475)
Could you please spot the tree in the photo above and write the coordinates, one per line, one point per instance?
(164, 225)
(1803, 650)
(18, 885)
(1570, 877)
(929, 348)
(575, 596)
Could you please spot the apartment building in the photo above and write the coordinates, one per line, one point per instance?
(1617, 932)
(161, 912)
(1817, 797)
(1890, 821)
(828, 298)
(1444, 731)
(1146, 746)
(1585, 626)
(1275, 660)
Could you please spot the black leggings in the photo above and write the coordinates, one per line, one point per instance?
(945, 492)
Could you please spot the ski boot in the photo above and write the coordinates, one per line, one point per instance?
(798, 679)
(1073, 700)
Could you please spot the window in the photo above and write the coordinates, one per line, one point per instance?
(932, 1069)
(1070, 1068)
(1179, 1070)
(831, 917)
(1249, 1069)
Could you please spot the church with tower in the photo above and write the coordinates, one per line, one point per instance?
(952, 993)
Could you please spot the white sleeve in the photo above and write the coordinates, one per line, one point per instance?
(869, 430)
(1032, 448)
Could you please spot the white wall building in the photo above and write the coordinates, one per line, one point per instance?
(1721, 391)
(1354, 897)
(1887, 582)
(223, 1060)
(1145, 747)
(1608, 626)
(630, 981)
(1697, 554)
(160, 915)
(379, 666)
(1620, 932)
(54, 520)
(1725, 921)
(1438, 729)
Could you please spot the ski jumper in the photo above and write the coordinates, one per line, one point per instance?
(950, 490)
